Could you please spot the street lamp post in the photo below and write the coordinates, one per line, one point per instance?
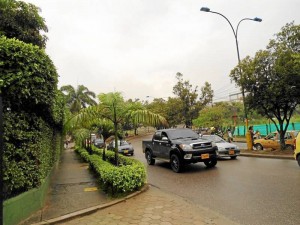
(235, 33)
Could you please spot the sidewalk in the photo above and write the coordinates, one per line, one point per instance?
(153, 207)
(73, 187)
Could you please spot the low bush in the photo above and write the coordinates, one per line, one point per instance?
(129, 176)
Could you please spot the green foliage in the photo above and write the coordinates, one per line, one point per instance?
(211, 117)
(22, 21)
(112, 107)
(79, 98)
(57, 109)
(130, 175)
(33, 112)
(30, 150)
(190, 104)
(29, 77)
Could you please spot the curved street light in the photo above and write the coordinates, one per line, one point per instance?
(235, 33)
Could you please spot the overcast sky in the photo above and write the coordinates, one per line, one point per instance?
(136, 47)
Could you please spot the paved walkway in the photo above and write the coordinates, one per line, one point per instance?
(153, 207)
(73, 187)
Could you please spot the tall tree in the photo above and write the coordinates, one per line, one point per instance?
(22, 21)
(188, 96)
(207, 94)
(79, 98)
(272, 78)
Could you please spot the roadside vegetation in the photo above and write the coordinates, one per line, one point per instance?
(129, 176)
(38, 114)
(33, 107)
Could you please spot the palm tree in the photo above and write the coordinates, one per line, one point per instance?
(112, 107)
(79, 98)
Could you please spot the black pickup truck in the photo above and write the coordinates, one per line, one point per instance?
(180, 147)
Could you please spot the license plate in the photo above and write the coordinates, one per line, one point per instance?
(205, 156)
(125, 151)
(231, 152)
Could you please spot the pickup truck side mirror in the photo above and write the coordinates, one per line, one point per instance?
(164, 139)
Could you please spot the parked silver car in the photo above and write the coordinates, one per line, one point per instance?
(225, 148)
(99, 143)
(124, 147)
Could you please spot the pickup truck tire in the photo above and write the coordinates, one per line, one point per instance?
(211, 163)
(149, 158)
(176, 163)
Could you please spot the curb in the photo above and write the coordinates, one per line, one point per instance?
(267, 156)
(92, 209)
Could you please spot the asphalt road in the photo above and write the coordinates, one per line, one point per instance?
(249, 191)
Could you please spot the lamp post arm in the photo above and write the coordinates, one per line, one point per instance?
(234, 33)
(237, 27)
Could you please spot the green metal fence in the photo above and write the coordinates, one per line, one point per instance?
(264, 129)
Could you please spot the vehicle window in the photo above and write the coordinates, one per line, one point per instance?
(157, 136)
(271, 136)
(214, 138)
(120, 143)
(183, 133)
(163, 134)
(287, 135)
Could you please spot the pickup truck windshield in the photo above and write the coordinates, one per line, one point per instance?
(181, 134)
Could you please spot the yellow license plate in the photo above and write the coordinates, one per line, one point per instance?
(205, 156)
(125, 151)
(231, 152)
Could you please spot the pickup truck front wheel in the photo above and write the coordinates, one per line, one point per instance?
(149, 158)
(211, 163)
(176, 163)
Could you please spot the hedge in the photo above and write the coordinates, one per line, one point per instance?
(129, 176)
(33, 116)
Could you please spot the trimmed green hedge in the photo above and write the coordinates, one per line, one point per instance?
(129, 176)
(33, 112)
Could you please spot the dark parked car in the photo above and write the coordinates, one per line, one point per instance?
(124, 147)
(99, 143)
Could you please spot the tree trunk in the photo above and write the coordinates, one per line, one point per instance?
(281, 136)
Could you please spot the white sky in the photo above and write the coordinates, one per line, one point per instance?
(137, 46)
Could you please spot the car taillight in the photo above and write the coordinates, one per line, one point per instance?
(295, 143)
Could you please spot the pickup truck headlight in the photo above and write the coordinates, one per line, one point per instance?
(185, 147)
(188, 156)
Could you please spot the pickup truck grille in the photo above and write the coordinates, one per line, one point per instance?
(202, 145)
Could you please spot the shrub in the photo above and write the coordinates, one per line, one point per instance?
(130, 175)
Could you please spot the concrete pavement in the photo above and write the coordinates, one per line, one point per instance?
(153, 207)
(73, 187)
